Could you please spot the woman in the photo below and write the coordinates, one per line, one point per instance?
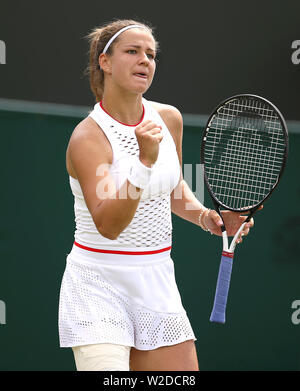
(120, 308)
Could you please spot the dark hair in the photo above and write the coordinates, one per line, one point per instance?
(98, 38)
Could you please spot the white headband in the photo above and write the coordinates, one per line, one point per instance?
(131, 26)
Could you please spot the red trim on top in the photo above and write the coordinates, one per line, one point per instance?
(122, 122)
(96, 250)
(227, 254)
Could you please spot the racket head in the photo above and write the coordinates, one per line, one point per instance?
(243, 116)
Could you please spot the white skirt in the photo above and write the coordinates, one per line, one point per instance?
(131, 300)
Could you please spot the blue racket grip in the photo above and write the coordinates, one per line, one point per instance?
(219, 308)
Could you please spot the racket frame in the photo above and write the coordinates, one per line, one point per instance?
(215, 200)
(228, 251)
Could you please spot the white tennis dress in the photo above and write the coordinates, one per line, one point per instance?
(123, 291)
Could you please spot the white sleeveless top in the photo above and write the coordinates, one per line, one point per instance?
(151, 227)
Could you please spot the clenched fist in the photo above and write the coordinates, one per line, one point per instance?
(148, 136)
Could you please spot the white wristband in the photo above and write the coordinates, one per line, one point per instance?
(139, 174)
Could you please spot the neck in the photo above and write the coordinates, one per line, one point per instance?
(125, 108)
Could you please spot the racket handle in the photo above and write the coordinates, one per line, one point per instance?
(219, 308)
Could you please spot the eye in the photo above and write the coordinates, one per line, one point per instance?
(131, 51)
(151, 56)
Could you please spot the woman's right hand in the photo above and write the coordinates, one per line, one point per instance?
(148, 136)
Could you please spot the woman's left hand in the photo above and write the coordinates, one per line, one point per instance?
(233, 221)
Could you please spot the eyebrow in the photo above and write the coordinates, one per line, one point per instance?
(139, 47)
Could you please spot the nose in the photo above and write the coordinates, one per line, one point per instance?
(144, 59)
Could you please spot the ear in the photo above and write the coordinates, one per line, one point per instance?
(104, 63)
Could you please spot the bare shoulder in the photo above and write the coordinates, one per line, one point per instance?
(87, 139)
(87, 129)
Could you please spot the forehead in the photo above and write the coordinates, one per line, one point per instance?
(136, 36)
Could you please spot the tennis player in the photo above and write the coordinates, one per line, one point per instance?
(120, 308)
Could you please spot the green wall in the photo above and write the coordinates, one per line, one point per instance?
(37, 225)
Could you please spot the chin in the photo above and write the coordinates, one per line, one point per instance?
(140, 89)
(143, 91)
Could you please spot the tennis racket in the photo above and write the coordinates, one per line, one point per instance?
(244, 151)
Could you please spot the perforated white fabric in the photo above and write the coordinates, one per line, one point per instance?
(126, 141)
(152, 223)
(153, 214)
(95, 310)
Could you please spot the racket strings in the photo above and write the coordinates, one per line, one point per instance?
(241, 179)
(244, 150)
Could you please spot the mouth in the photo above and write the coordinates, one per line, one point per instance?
(141, 75)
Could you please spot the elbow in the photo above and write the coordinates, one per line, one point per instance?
(106, 230)
(108, 234)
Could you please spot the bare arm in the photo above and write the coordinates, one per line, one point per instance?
(185, 204)
(90, 153)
